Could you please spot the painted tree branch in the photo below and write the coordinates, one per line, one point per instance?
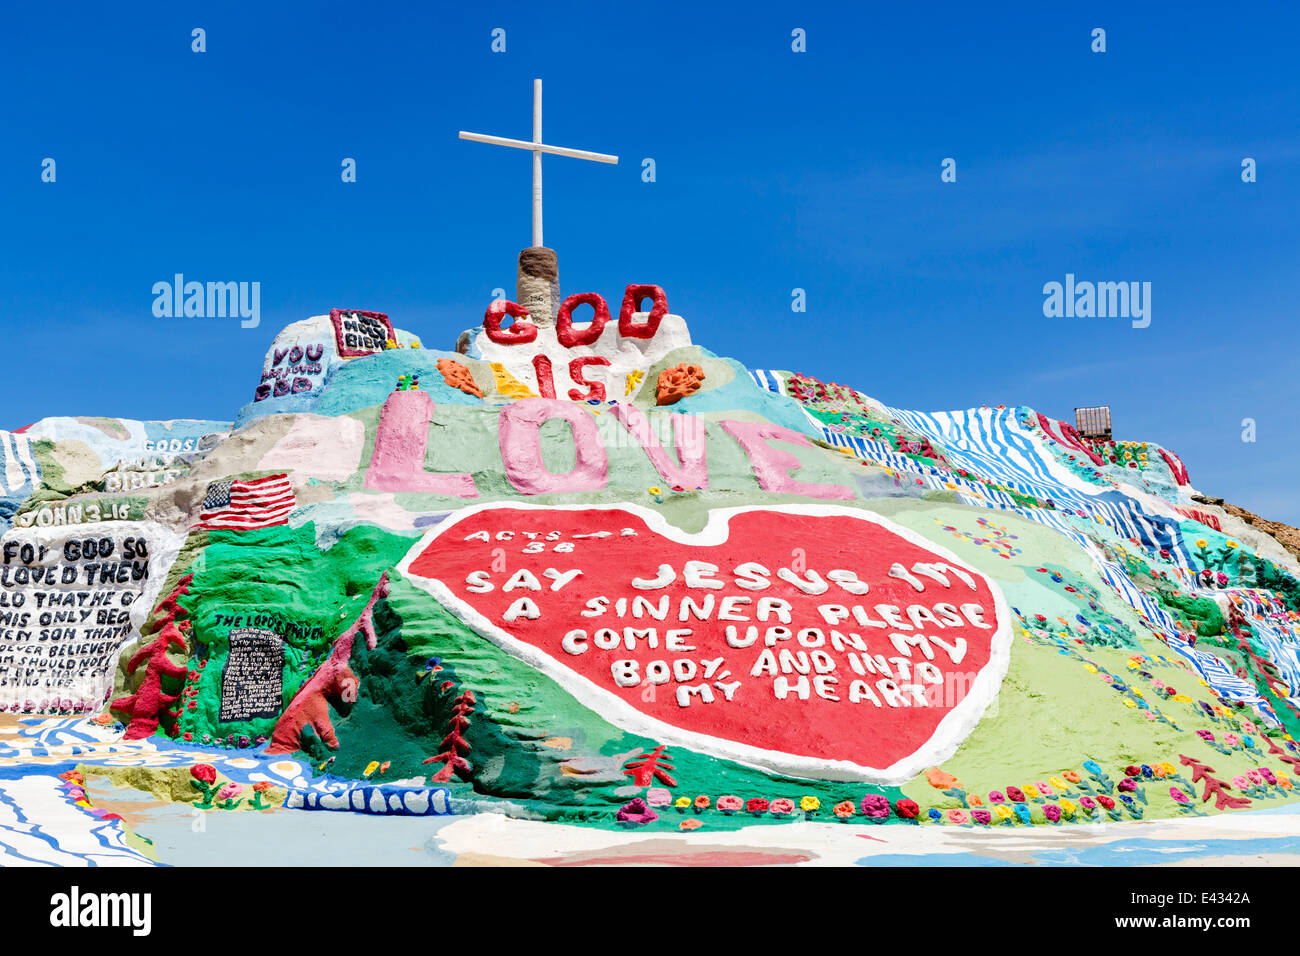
(148, 705)
(334, 681)
(455, 744)
(649, 767)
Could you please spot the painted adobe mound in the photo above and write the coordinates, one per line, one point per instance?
(595, 572)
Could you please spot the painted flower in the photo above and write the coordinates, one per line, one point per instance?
(1268, 775)
(1024, 813)
(204, 773)
(781, 807)
(1072, 776)
(1068, 807)
(982, 817)
(1178, 795)
(1240, 782)
(1052, 812)
(1087, 803)
(957, 816)
(1092, 766)
(1031, 791)
(1127, 785)
(1015, 795)
(1206, 736)
(1106, 801)
(1132, 770)
(635, 811)
(940, 780)
(230, 791)
(702, 803)
(907, 809)
(809, 804)
(730, 803)
(756, 806)
(996, 797)
(689, 825)
(1003, 811)
(1169, 769)
(681, 803)
(262, 786)
(934, 815)
(875, 805)
(658, 797)
(844, 809)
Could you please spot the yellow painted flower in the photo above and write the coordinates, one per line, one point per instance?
(1003, 811)
(1284, 781)
(1129, 703)
(681, 803)
(1202, 543)
(1232, 544)
(1058, 783)
(1168, 768)
(809, 804)
(1067, 807)
(1183, 698)
(1030, 790)
(655, 490)
(1090, 668)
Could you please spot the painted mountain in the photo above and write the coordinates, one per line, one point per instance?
(579, 568)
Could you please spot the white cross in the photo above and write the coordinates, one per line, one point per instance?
(538, 147)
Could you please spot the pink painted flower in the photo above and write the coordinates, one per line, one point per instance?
(1179, 795)
(730, 803)
(781, 807)
(875, 805)
(1240, 782)
(658, 797)
(229, 791)
(1052, 812)
(982, 817)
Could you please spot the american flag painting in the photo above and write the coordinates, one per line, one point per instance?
(243, 505)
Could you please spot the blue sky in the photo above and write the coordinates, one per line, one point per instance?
(775, 170)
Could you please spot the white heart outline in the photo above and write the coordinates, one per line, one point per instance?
(948, 734)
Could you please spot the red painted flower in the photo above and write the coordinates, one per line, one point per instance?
(756, 805)
(907, 809)
(204, 772)
(1106, 801)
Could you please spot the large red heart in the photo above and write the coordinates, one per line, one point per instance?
(918, 648)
